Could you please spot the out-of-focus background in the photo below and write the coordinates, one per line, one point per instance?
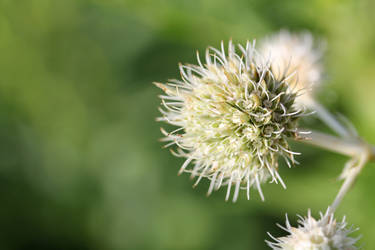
(80, 162)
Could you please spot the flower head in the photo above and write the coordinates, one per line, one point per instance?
(298, 56)
(234, 117)
(323, 234)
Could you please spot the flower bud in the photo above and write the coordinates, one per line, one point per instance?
(323, 234)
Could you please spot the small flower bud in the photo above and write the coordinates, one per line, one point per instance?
(323, 234)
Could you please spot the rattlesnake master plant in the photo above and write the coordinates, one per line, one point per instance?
(323, 234)
(234, 116)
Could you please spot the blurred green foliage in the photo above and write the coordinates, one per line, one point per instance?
(81, 167)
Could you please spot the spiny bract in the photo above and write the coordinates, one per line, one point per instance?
(311, 234)
(234, 117)
(297, 54)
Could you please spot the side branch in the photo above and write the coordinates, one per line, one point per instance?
(348, 147)
(350, 179)
(360, 152)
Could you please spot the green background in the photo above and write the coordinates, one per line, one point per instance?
(80, 162)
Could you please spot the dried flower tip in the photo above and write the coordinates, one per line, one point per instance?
(295, 55)
(323, 234)
(234, 116)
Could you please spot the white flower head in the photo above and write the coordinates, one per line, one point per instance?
(323, 234)
(297, 55)
(234, 117)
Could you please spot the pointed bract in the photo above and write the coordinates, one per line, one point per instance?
(297, 55)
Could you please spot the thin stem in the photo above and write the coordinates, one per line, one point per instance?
(330, 120)
(360, 151)
(339, 145)
(348, 144)
(349, 181)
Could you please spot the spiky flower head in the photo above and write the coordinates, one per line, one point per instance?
(323, 234)
(234, 117)
(297, 55)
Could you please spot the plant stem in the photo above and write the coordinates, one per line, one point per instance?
(360, 151)
(349, 181)
(330, 119)
(349, 147)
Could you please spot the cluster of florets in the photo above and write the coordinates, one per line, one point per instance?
(234, 117)
(323, 234)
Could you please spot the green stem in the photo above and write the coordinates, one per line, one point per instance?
(360, 151)
(349, 147)
(329, 119)
(350, 179)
